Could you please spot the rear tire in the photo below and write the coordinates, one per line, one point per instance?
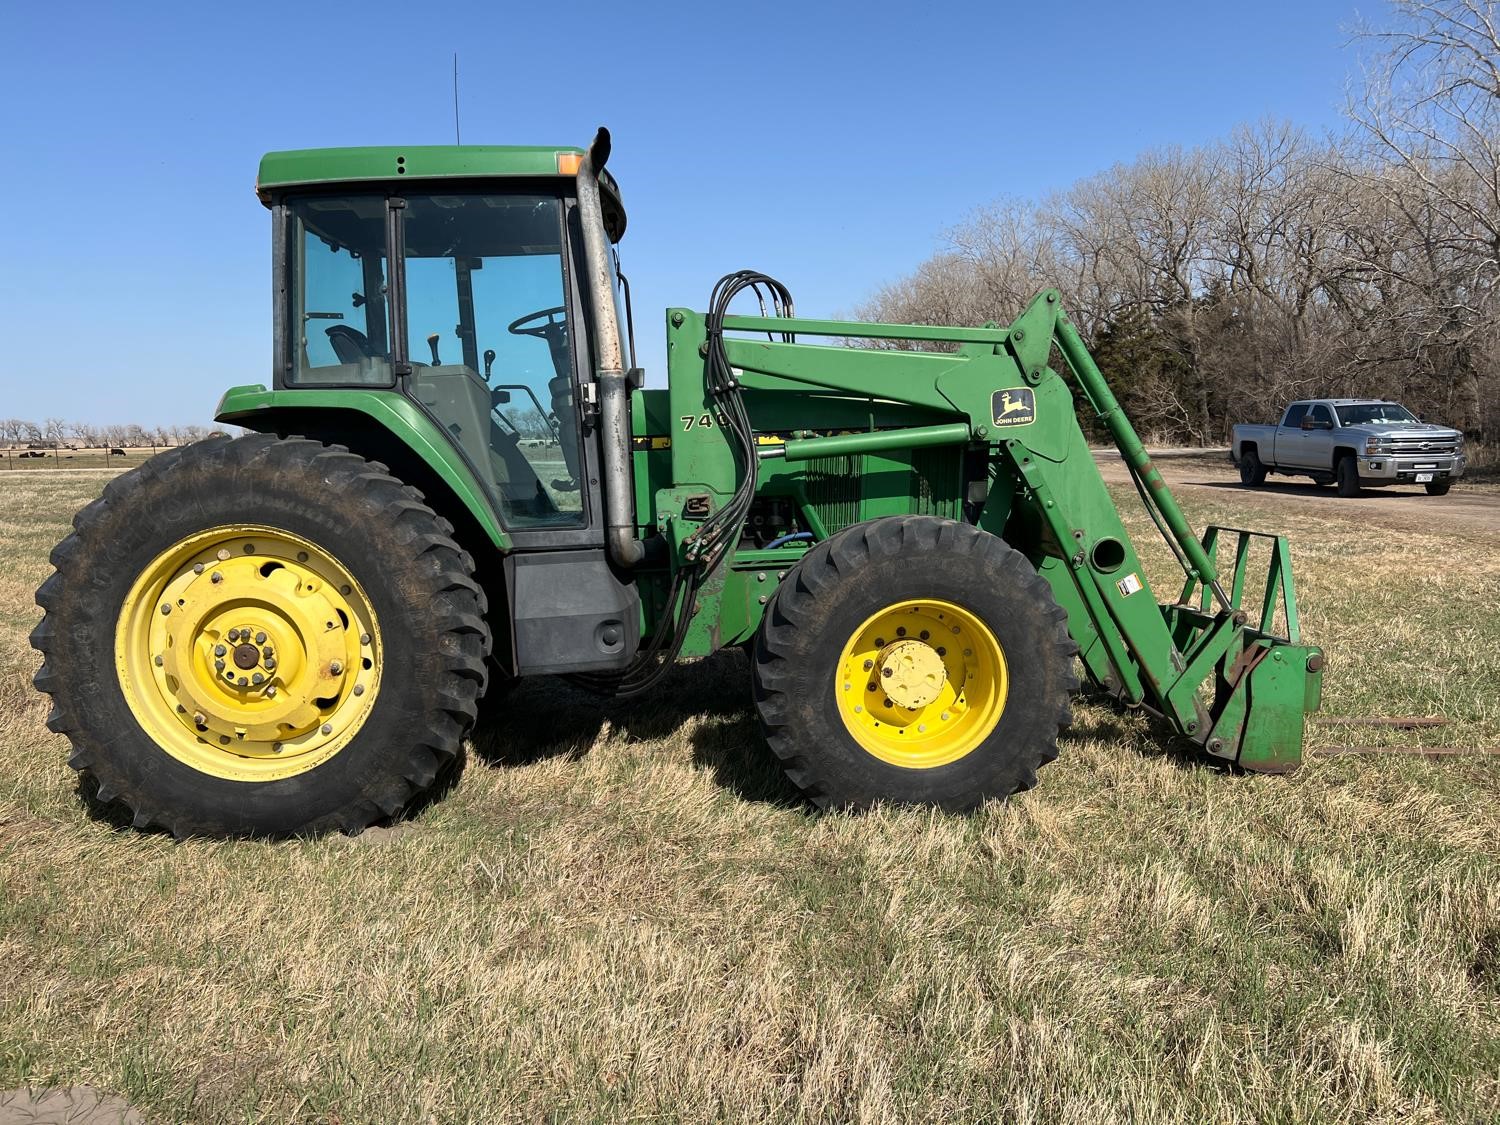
(1252, 472)
(929, 572)
(1438, 487)
(1347, 475)
(403, 568)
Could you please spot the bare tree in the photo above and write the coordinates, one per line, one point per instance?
(1429, 106)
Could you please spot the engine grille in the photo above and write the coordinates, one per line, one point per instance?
(1424, 445)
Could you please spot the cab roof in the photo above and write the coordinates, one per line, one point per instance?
(330, 167)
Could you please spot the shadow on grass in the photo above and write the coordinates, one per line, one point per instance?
(1140, 733)
(547, 717)
(1288, 488)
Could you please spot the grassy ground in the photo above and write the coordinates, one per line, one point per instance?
(623, 913)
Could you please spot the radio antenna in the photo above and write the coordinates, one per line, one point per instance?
(457, 137)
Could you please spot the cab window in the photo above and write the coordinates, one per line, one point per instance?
(337, 260)
(489, 343)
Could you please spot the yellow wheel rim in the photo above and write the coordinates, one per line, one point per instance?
(248, 653)
(921, 683)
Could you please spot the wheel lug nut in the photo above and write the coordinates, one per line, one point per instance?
(217, 577)
(364, 638)
(260, 638)
(200, 718)
(197, 568)
(218, 666)
(234, 634)
(165, 609)
(276, 748)
(244, 682)
(270, 665)
(327, 728)
(223, 553)
(359, 689)
(335, 668)
(159, 661)
(869, 664)
(886, 672)
(257, 679)
(220, 650)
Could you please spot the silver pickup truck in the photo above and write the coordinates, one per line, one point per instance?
(1351, 442)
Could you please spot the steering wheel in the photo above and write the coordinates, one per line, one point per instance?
(548, 327)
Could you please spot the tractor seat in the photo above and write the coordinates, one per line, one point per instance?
(349, 344)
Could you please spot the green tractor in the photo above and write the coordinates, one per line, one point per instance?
(457, 479)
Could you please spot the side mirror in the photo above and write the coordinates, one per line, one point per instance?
(1316, 424)
(1309, 424)
(499, 398)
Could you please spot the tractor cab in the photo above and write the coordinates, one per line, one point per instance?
(448, 276)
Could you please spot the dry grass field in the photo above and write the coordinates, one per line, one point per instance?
(621, 912)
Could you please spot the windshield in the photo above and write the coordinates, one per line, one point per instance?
(1367, 412)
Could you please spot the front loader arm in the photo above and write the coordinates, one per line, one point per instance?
(1200, 666)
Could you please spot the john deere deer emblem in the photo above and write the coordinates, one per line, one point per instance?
(1015, 407)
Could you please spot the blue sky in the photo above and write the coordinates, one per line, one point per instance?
(830, 149)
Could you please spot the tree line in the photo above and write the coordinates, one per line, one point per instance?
(58, 432)
(1215, 283)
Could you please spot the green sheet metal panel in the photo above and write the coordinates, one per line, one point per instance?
(253, 405)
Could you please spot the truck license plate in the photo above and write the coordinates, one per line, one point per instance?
(1423, 478)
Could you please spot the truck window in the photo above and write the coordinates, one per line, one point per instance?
(1295, 413)
(1367, 412)
(1321, 413)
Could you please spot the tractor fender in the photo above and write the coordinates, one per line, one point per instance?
(382, 426)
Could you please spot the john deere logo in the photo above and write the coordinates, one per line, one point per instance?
(1015, 407)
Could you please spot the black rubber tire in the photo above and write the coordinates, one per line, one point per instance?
(1438, 487)
(837, 586)
(1252, 472)
(418, 580)
(1346, 472)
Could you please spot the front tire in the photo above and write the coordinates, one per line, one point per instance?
(913, 660)
(1438, 487)
(1347, 475)
(261, 637)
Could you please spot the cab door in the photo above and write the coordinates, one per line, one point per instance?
(493, 333)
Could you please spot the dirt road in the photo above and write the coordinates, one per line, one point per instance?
(1469, 509)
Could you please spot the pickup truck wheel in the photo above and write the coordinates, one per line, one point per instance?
(1252, 472)
(1438, 487)
(1348, 476)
